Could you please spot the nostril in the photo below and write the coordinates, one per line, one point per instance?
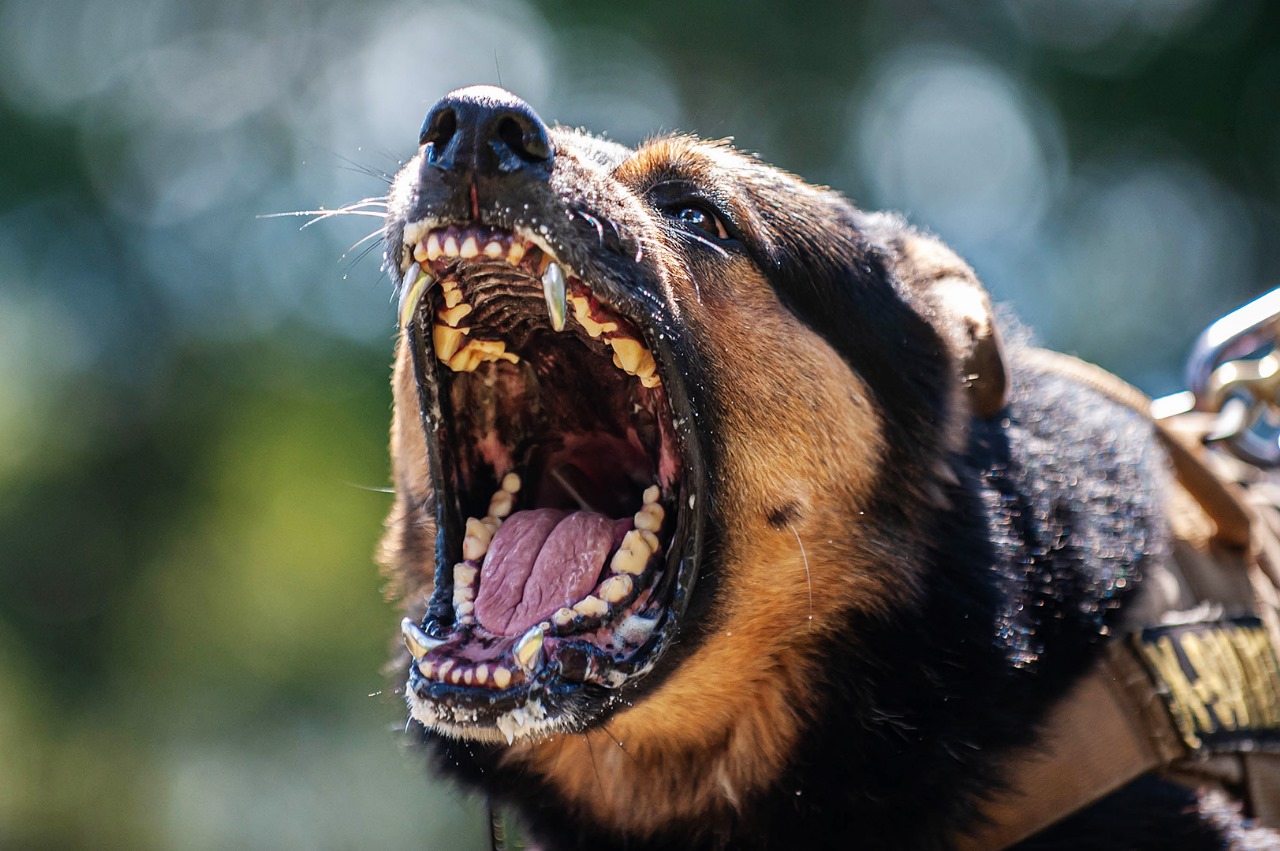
(526, 139)
(439, 128)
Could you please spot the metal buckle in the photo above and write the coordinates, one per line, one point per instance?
(1234, 371)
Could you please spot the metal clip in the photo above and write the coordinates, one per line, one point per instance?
(1232, 373)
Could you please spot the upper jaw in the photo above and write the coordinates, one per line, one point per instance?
(545, 699)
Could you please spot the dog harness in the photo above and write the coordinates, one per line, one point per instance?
(1191, 690)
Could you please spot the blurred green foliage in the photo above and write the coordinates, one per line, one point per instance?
(193, 401)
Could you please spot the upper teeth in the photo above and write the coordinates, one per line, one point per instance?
(452, 344)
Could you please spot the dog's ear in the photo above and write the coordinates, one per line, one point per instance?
(960, 311)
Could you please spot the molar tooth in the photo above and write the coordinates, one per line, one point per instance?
(452, 297)
(528, 649)
(469, 248)
(446, 340)
(476, 542)
(493, 249)
(553, 293)
(651, 540)
(627, 353)
(650, 517)
(465, 609)
(516, 253)
(433, 246)
(632, 555)
(511, 483)
(463, 574)
(455, 314)
(482, 673)
(416, 283)
(501, 677)
(450, 246)
(591, 606)
(651, 494)
(501, 504)
(417, 641)
(563, 617)
(650, 381)
(616, 588)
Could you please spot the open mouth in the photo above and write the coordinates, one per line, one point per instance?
(564, 495)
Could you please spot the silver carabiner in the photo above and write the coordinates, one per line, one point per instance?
(1234, 372)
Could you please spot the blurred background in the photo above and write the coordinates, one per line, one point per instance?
(193, 400)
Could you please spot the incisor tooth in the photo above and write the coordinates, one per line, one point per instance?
(469, 676)
(450, 247)
(482, 673)
(528, 649)
(428, 669)
(433, 246)
(456, 676)
(420, 253)
(469, 248)
(616, 588)
(501, 677)
(493, 249)
(591, 606)
(446, 340)
(444, 668)
(627, 353)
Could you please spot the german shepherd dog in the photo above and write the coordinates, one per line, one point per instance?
(720, 520)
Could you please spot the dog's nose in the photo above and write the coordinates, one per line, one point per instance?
(487, 131)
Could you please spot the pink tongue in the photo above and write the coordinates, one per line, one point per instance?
(539, 561)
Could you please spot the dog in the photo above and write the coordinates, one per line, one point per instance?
(726, 519)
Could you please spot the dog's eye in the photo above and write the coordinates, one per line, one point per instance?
(699, 218)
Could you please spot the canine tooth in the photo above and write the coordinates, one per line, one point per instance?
(563, 617)
(420, 253)
(455, 314)
(651, 494)
(444, 669)
(450, 246)
(493, 249)
(433, 246)
(501, 504)
(528, 649)
(591, 606)
(511, 483)
(632, 555)
(482, 673)
(469, 248)
(616, 588)
(446, 340)
(516, 253)
(543, 262)
(417, 641)
(650, 540)
(627, 353)
(501, 677)
(416, 282)
(553, 292)
(452, 297)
